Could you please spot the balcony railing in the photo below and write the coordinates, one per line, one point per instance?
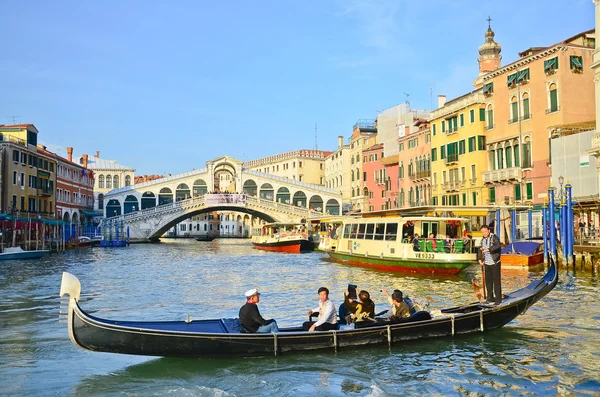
(473, 181)
(452, 158)
(507, 174)
(45, 192)
(453, 185)
(419, 175)
(13, 139)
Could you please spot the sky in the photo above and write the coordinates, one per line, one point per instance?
(164, 86)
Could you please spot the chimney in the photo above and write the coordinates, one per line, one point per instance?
(70, 154)
(85, 160)
(441, 101)
(145, 178)
(340, 141)
(97, 153)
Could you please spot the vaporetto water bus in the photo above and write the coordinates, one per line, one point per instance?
(285, 237)
(442, 245)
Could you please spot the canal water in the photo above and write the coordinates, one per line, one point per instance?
(552, 349)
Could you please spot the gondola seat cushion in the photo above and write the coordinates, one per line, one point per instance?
(418, 316)
(232, 325)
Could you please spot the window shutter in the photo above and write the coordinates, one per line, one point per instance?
(481, 114)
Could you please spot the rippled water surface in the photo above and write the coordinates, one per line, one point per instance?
(552, 349)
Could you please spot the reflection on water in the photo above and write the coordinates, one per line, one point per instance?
(551, 349)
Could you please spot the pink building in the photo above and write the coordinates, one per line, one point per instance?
(414, 167)
(375, 181)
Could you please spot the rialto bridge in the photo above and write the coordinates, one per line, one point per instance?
(149, 209)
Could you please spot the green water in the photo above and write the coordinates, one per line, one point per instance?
(552, 349)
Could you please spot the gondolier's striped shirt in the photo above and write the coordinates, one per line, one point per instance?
(487, 256)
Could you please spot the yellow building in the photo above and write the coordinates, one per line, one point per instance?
(337, 170)
(28, 177)
(300, 165)
(458, 151)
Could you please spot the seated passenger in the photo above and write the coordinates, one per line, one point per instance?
(400, 308)
(432, 239)
(327, 316)
(361, 309)
(250, 317)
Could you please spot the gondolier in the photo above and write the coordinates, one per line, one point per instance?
(489, 255)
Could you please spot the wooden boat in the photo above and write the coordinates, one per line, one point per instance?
(79, 242)
(385, 244)
(205, 237)
(18, 253)
(221, 337)
(285, 237)
(523, 253)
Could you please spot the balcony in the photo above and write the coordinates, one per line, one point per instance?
(473, 181)
(45, 192)
(505, 175)
(420, 175)
(451, 158)
(453, 186)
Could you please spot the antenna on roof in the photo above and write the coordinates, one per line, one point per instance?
(430, 98)
(407, 101)
(14, 121)
(316, 143)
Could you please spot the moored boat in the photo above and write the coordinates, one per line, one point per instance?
(205, 237)
(222, 337)
(285, 237)
(523, 253)
(389, 244)
(79, 242)
(18, 253)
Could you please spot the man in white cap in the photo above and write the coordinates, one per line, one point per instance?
(250, 317)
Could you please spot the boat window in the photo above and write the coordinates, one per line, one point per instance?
(430, 227)
(347, 231)
(408, 229)
(361, 231)
(435, 228)
(452, 228)
(369, 233)
(391, 231)
(379, 231)
(354, 230)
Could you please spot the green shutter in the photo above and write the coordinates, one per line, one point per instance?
(493, 194)
(442, 152)
(525, 109)
(523, 75)
(515, 111)
(471, 144)
(511, 79)
(550, 64)
(474, 198)
(462, 120)
(443, 125)
(461, 147)
(529, 187)
(434, 129)
(553, 100)
(508, 157)
(481, 142)
(464, 199)
(518, 192)
(517, 156)
(482, 114)
(472, 115)
(490, 119)
(455, 121)
(576, 62)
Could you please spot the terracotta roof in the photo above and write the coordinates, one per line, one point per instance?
(390, 160)
(573, 128)
(15, 125)
(374, 147)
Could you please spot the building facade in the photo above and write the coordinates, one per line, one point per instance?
(74, 189)
(545, 87)
(364, 135)
(458, 151)
(108, 175)
(414, 166)
(595, 150)
(337, 171)
(28, 174)
(300, 165)
(374, 179)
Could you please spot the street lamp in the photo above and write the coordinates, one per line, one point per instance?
(561, 181)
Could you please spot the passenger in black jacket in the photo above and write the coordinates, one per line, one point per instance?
(250, 317)
(489, 256)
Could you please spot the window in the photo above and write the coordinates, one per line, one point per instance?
(508, 152)
(462, 120)
(127, 180)
(511, 80)
(433, 154)
(576, 63)
(488, 89)
(527, 155)
(442, 152)
(523, 76)
(22, 179)
(461, 147)
(401, 172)
(492, 194)
(434, 129)
(51, 167)
(481, 142)
(108, 181)
(482, 114)
(23, 158)
(516, 155)
(526, 114)
(364, 176)
(514, 110)
(101, 181)
(518, 192)
(472, 116)
(473, 174)
(401, 147)
(529, 190)
(550, 66)
(14, 177)
(116, 182)
(299, 164)
(553, 98)
(490, 117)
(16, 156)
(443, 126)
(500, 158)
(471, 144)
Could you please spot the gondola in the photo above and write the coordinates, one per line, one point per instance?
(222, 337)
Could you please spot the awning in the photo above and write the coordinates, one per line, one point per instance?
(90, 213)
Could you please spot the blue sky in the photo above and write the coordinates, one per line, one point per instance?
(165, 87)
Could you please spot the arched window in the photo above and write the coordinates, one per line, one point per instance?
(552, 98)
(108, 181)
(352, 175)
(490, 117)
(514, 109)
(127, 180)
(401, 173)
(526, 114)
(115, 181)
(101, 182)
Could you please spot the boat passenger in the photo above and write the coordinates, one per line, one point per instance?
(432, 239)
(400, 308)
(415, 242)
(327, 320)
(361, 309)
(250, 318)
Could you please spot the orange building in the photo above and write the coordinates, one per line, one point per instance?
(545, 87)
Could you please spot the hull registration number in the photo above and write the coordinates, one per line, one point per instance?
(423, 255)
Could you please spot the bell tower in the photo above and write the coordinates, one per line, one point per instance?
(489, 54)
